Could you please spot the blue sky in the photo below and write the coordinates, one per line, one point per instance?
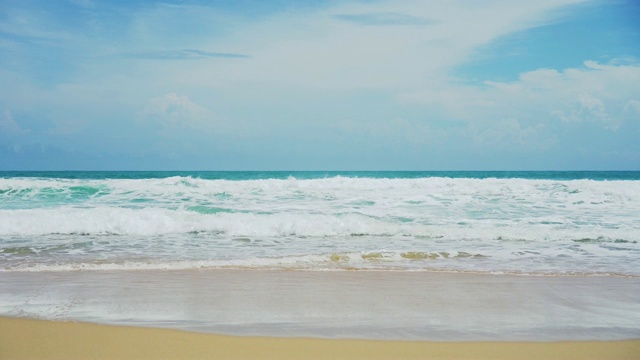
(319, 85)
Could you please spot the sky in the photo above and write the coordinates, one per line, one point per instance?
(319, 85)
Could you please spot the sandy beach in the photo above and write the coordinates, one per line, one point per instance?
(247, 314)
(376, 305)
(39, 339)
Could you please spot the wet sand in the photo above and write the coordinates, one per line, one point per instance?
(376, 305)
(39, 339)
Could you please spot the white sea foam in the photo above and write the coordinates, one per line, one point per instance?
(158, 221)
(514, 224)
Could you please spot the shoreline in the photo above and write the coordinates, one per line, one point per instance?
(335, 305)
(23, 338)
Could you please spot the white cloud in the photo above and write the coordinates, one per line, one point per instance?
(596, 93)
(385, 65)
(173, 110)
(8, 125)
(318, 49)
(588, 108)
(176, 115)
(297, 51)
(633, 108)
(510, 133)
(33, 25)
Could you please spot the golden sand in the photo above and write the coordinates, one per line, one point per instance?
(40, 339)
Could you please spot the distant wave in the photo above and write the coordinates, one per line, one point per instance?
(511, 224)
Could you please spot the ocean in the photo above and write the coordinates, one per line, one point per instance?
(381, 255)
(494, 222)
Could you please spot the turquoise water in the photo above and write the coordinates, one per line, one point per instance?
(254, 175)
(495, 222)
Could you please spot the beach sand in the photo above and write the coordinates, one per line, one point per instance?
(377, 305)
(41, 339)
(243, 314)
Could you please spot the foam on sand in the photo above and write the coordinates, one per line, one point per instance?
(386, 305)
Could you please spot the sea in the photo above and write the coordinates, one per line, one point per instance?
(487, 222)
(418, 255)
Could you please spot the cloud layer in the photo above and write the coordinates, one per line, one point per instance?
(333, 85)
